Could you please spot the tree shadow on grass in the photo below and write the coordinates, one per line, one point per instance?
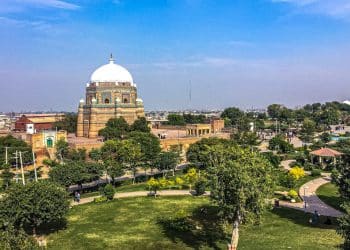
(302, 218)
(202, 228)
(334, 202)
(46, 229)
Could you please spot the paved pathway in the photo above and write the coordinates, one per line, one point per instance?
(308, 193)
(285, 164)
(138, 194)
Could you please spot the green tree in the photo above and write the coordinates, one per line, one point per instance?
(168, 160)
(108, 191)
(308, 130)
(246, 138)
(95, 154)
(241, 181)
(191, 177)
(69, 123)
(62, 150)
(198, 153)
(341, 177)
(116, 128)
(344, 226)
(12, 144)
(153, 185)
(140, 125)
(325, 137)
(6, 176)
(279, 144)
(32, 205)
(131, 154)
(114, 169)
(235, 115)
(193, 119)
(72, 173)
(274, 110)
(11, 238)
(150, 147)
(176, 120)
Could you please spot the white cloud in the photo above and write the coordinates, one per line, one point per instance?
(52, 4)
(332, 8)
(24, 23)
(21, 5)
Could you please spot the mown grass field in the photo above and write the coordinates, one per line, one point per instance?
(329, 194)
(145, 223)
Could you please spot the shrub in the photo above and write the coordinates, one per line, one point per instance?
(309, 166)
(296, 173)
(200, 186)
(293, 194)
(100, 199)
(108, 191)
(316, 172)
(153, 185)
(179, 181)
(171, 183)
(163, 183)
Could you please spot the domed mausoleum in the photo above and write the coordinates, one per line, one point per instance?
(111, 93)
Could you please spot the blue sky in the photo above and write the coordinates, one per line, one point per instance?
(245, 53)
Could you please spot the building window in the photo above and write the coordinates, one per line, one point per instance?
(126, 98)
(106, 101)
(49, 142)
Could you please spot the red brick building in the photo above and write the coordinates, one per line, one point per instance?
(39, 121)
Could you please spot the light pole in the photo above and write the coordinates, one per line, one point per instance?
(305, 205)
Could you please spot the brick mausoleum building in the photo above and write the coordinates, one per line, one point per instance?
(111, 93)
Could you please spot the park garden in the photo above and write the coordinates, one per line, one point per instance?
(133, 195)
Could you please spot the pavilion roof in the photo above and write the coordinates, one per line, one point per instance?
(326, 152)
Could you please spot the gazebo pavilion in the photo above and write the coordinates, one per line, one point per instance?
(325, 156)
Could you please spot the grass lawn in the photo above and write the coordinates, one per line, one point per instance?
(329, 194)
(149, 223)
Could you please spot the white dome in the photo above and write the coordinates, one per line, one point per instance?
(111, 72)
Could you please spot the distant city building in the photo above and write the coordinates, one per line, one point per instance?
(217, 125)
(32, 123)
(111, 93)
(5, 122)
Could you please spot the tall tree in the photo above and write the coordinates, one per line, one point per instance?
(241, 181)
(131, 154)
(72, 173)
(341, 177)
(69, 123)
(140, 125)
(280, 144)
(246, 138)
(11, 145)
(176, 120)
(274, 110)
(308, 130)
(168, 160)
(116, 128)
(235, 116)
(150, 147)
(6, 176)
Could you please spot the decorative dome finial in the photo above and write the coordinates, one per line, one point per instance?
(111, 59)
